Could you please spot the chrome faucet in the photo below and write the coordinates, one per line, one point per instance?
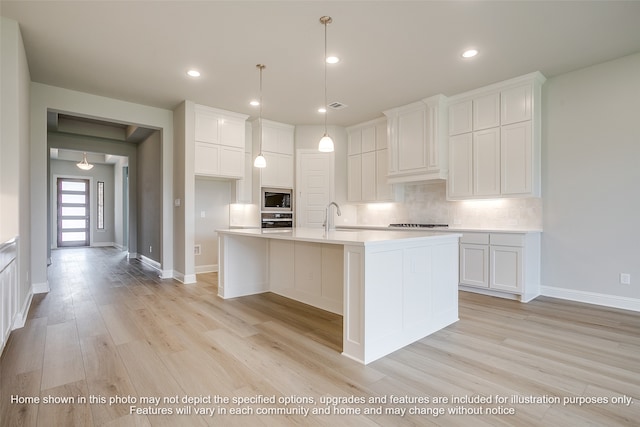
(327, 219)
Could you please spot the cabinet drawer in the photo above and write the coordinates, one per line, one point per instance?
(475, 238)
(504, 239)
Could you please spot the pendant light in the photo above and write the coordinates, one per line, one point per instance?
(260, 161)
(84, 165)
(326, 143)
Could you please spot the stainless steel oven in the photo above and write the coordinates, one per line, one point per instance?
(277, 219)
(277, 200)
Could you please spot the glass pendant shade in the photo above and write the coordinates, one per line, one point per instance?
(326, 144)
(260, 161)
(84, 165)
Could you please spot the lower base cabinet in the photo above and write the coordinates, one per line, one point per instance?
(501, 264)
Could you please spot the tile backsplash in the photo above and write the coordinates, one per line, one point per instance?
(427, 203)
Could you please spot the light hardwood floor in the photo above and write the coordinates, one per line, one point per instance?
(109, 327)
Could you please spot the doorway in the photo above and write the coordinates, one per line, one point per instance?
(314, 184)
(73, 212)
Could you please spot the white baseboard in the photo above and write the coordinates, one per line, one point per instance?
(21, 316)
(166, 274)
(150, 262)
(40, 288)
(185, 279)
(211, 268)
(613, 301)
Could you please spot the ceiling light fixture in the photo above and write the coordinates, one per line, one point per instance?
(254, 103)
(260, 161)
(84, 165)
(326, 143)
(193, 73)
(322, 110)
(469, 53)
(332, 59)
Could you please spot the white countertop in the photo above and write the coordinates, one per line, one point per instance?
(341, 237)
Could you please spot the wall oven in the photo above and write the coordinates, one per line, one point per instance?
(276, 210)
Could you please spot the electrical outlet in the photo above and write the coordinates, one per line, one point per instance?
(625, 278)
(150, 248)
(197, 250)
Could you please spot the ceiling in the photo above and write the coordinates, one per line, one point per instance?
(392, 52)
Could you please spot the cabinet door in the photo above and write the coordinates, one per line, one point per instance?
(232, 133)
(206, 126)
(384, 191)
(231, 162)
(354, 145)
(276, 139)
(474, 265)
(486, 162)
(279, 170)
(516, 104)
(412, 153)
(381, 135)
(369, 176)
(460, 119)
(486, 111)
(207, 159)
(354, 181)
(516, 159)
(506, 268)
(368, 139)
(460, 182)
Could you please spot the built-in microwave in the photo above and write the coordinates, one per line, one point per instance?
(277, 200)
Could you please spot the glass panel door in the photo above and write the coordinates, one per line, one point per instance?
(73, 212)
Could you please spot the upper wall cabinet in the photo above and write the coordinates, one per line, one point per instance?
(367, 163)
(219, 143)
(494, 140)
(417, 141)
(277, 148)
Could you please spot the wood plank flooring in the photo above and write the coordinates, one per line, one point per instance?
(110, 328)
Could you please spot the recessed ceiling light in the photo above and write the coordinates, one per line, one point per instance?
(193, 73)
(254, 103)
(322, 110)
(469, 53)
(332, 59)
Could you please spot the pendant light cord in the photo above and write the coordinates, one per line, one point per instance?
(326, 107)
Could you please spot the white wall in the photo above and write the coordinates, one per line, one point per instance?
(15, 179)
(44, 97)
(212, 199)
(591, 183)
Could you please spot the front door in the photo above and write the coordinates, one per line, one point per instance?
(73, 212)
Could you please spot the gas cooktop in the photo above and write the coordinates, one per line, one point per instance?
(412, 225)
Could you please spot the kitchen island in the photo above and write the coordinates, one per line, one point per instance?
(392, 288)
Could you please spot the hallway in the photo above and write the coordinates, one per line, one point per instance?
(110, 327)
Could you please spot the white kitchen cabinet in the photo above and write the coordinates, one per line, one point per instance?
(460, 117)
(460, 182)
(367, 163)
(279, 170)
(505, 129)
(501, 264)
(516, 153)
(486, 111)
(486, 162)
(219, 144)
(277, 149)
(241, 188)
(354, 178)
(516, 104)
(417, 141)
